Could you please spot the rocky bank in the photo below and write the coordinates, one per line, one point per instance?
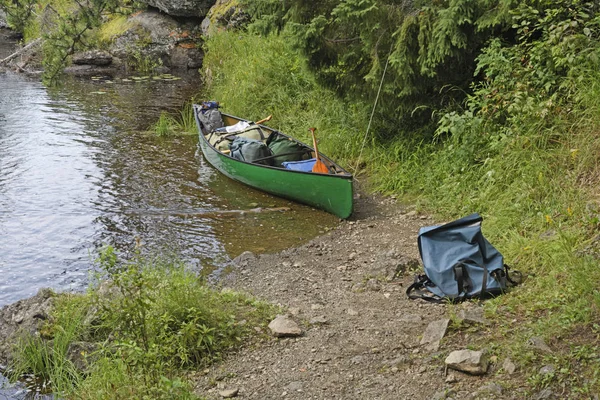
(362, 338)
(166, 36)
(348, 330)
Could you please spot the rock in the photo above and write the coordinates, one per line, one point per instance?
(320, 320)
(90, 70)
(539, 344)
(469, 361)
(3, 23)
(451, 378)
(229, 393)
(547, 370)
(352, 312)
(81, 354)
(92, 57)
(434, 334)
(283, 326)
(294, 310)
(182, 8)
(491, 388)
(244, 259)
(508, 366)
(294, 387)
(545, 394)
(224, 15)
(154, 41)
(23, 316)
(472, 316)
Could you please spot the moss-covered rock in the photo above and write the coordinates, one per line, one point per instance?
(152, 40)
(225, 14)
(182, 8)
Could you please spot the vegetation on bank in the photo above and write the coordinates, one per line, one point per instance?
(514, 136)
(138, 334)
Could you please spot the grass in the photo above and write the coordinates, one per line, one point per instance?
(533, 178)
(253, 77)
(169, 125)
(154, 321)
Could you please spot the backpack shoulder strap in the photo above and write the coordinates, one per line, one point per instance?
(418, 289)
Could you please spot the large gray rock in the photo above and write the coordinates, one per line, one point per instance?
(469, 361)
(24, 316)
(284, 326)
(182, 8)
(155, 39)
(224, 15)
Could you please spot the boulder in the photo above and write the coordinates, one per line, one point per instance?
(92, 57)
(469, 361)
(24, 316)
(224, 15)
(155, 40)
(182, 8)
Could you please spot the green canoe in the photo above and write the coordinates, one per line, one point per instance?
(330, 192)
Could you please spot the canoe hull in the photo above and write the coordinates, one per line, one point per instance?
(331, 193)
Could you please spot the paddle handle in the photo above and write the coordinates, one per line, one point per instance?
(312, 132)
(262, 121)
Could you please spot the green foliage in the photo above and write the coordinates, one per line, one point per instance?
(184, 123)
(253, 76)
(431, 48)
(150, 322)
(72, 32)
(18, 13)
(49, 361)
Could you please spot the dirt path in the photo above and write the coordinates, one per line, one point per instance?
(362, 335)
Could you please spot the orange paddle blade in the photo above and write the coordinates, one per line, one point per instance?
(319, 166)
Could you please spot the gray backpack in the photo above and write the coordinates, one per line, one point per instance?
(459, 263)
(210, 116)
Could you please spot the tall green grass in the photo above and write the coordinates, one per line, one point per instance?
(253, 77)
(150, 324)
(532, 176)
(182, 124)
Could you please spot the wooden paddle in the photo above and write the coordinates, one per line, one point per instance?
(319, 166)
(262, 121)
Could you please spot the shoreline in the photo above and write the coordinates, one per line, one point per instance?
(362, 335)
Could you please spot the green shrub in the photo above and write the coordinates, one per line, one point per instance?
(158, 320)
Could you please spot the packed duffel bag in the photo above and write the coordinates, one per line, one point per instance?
(250, 150)
(222, 139)
(285, 149)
